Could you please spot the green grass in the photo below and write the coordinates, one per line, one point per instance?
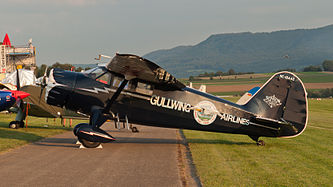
(316, 77)
(235, 160)
(38, 128)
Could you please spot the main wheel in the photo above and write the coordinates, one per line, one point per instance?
(14, 124)
(89, 144)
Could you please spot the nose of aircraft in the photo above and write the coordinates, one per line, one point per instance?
(19, 94)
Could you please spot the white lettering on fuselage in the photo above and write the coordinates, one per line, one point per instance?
(170, 103)
(234, 119)
(185, 107)
(287, 77)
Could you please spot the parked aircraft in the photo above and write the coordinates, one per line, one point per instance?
(35, 104)
(146, 94)
(9, 97)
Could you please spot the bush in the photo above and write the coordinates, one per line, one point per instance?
(312, 68)
(323, 93)
(328, 65)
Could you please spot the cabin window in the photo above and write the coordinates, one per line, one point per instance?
(117, 81)
(144, 88)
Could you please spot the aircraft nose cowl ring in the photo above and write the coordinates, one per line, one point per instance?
(91, 134)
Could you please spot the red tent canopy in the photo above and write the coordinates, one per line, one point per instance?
(6, 41)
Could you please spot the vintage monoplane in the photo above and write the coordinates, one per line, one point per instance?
(144, 93)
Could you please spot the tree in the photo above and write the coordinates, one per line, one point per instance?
(40, 70)
(312, 68)
(62, 66)
(219, 73)
(231, 72)
(87, 68)
(328, 65)
(79, 69)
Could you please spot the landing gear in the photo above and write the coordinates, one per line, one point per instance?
(16, 124)
(134, 129)
(91, 135)
(256, 139)
(260, 143)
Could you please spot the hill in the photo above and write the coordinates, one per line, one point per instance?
(249, 52)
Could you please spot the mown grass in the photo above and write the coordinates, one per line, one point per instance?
(235, 160)
(38, 128)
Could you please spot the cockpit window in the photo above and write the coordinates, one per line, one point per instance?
(104, 78)
(99, 74)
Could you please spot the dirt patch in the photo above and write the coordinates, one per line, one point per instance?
(243, 87)
(318, 85)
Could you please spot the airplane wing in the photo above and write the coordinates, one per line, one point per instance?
(135, 67)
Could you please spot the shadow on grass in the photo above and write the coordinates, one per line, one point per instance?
(50, 127)
(226, 142)
(19, 135)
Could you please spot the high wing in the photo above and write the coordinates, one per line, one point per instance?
(135, 67)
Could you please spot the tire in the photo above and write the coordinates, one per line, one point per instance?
(260, 143)
(89, 144)
(14, 125)
(134, 129)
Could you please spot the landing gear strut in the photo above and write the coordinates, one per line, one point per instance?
(256, 139)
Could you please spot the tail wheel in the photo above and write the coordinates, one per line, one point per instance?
(134, 129)
(260, 143)
(89, 144)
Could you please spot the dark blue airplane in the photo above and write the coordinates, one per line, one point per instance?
(9, 97)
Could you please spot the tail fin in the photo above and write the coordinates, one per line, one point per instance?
(283, 100)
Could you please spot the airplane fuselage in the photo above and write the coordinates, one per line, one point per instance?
(154, 107)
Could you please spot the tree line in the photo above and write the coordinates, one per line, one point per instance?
(327, 65)
(40, 70)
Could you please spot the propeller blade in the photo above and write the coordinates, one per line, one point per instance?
(17, 80)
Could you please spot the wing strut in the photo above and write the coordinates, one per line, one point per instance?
(115, 96)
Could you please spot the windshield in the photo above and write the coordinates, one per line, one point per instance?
(95, 72)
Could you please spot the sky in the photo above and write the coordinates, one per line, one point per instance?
(76, 31)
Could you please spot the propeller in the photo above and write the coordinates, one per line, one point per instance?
(18, 87)
(43, 83)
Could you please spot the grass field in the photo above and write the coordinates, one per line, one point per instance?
(235, 160)
(38, 128)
